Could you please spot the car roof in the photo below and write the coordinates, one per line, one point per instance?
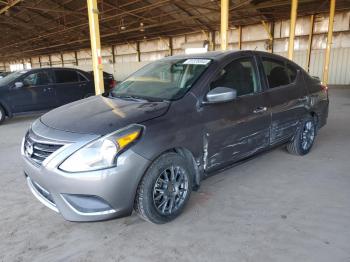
(218, 55)
(69, 68)
(51, 68)
(215, 55)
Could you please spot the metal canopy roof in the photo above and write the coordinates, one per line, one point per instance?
(36, 27)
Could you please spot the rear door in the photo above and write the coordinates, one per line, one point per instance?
(36, 94)
(68, 86)
(240, 128)
(86, 84)
(287, 96)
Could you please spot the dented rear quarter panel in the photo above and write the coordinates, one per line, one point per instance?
(318, 99)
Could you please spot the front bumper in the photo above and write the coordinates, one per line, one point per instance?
(80, 196)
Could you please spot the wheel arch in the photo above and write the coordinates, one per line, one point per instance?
(7, 109)
(315, 116)
(188, 155)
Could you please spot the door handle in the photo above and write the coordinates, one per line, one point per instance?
(260, 109)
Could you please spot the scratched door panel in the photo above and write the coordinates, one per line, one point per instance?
(287, 108)
(287, 96)
(238, 132)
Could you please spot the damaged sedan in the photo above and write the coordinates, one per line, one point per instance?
(149, 142)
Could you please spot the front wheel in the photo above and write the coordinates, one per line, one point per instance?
(164, 190)
(304, 138)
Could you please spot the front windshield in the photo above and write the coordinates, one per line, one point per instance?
(163, 80)
(10, 77)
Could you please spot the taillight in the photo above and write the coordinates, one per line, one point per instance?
(112, 83)
(325, 89)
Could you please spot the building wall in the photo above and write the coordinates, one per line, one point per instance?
(131, 56)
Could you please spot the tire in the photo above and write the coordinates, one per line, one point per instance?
(156, 207)
(2, 115)
(304, 138)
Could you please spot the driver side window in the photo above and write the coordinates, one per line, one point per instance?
(240, 75)
(38, 78)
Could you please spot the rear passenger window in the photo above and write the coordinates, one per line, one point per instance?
(275, 72)
(66, 76)
(82, 78)
(240, 75)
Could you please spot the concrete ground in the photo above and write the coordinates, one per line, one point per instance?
(276, 207)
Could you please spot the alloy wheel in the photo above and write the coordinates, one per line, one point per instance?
(308, 135)
(170, 190)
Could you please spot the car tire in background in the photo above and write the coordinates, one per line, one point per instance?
(2, 114)
(304, 138)
(164, 189)
(88, 95)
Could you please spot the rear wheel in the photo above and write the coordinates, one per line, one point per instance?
(2, 115)
(164, 190)
(304, 138)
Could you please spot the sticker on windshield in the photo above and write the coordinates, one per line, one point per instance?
(196, 61)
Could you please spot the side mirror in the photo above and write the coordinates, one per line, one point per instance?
(220, 95)
(19, 85)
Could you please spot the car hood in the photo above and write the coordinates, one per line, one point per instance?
(101, 115)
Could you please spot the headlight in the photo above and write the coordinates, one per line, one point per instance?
(102, 152)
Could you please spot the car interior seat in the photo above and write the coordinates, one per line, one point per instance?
(278, 77)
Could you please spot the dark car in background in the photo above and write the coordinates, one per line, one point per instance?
(42, 89)
(3, 74)
(149, 142)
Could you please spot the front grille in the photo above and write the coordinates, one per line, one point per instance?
(38, 151)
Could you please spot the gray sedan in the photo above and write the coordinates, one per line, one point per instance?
(149, 142)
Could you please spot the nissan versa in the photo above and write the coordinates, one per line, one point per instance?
(151, 140)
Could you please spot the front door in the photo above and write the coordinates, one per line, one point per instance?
(37, 93)
(237, 129)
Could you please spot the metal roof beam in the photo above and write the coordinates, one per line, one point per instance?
(9, 5)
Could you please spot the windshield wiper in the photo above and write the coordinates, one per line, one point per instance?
(133, 97)
(128, 97)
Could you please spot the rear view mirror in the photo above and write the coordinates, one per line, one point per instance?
(18, 85)
(220, 95)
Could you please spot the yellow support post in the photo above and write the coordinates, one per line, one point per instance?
(269, 33)
(309, 44)
(62, 59)
(224, 23)
(212, 41)
(329, 42)
(95, 46)
(293, 19)
(170, 46)
(240, 37)
(9, 5)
